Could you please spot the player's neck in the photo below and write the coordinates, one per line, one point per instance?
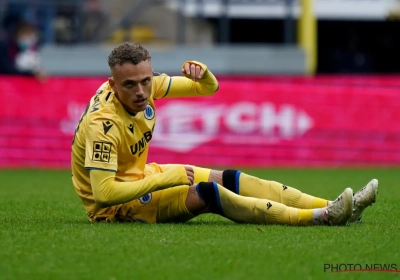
(126, 107)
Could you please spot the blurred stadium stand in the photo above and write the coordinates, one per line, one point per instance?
(360, 38)
(260, 49)
(76, 31)
(223, 60)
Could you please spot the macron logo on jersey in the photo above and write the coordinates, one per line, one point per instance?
(130, 127)
(107, 126)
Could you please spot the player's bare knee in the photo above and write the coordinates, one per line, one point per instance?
(228, 178)
(194, 203)
(216, 176)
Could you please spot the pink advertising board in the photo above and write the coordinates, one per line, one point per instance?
(250, 122)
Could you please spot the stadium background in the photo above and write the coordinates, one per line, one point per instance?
(308, 97)
(303, 83)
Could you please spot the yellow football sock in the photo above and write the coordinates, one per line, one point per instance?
(255, 187)
(201, 174)
(262, 211)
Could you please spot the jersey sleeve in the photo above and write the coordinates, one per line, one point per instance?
(107, 191)
(102, 141)
(178, 86)
(162, 85)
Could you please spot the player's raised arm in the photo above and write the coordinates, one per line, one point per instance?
(197, 81)
(103, 140)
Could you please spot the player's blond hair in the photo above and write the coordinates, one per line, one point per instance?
(128, 52)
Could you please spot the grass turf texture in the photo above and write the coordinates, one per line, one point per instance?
(45, 235)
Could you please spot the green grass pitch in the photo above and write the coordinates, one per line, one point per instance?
(45, 235)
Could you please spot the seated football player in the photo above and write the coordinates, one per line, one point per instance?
(112, 177)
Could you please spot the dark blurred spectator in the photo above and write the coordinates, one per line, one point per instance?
(19, 54)
(62, 22)
(67, 27)
(41, 13)
(94, 22)
(354, 58)
(346, 49)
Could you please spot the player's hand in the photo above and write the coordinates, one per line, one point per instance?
(193, 71)
(190, 174)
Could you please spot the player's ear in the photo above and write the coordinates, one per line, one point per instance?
(111, 82)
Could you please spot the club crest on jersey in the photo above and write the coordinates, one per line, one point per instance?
(149, 112)
(145, 199)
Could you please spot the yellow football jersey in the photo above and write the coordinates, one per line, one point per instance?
(109, 138)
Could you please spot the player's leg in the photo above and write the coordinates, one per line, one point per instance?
(250, 186)
(241, 209)
(164, 206)
(177, 205)
(181, 203)
(247, 185)
(143, 209)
